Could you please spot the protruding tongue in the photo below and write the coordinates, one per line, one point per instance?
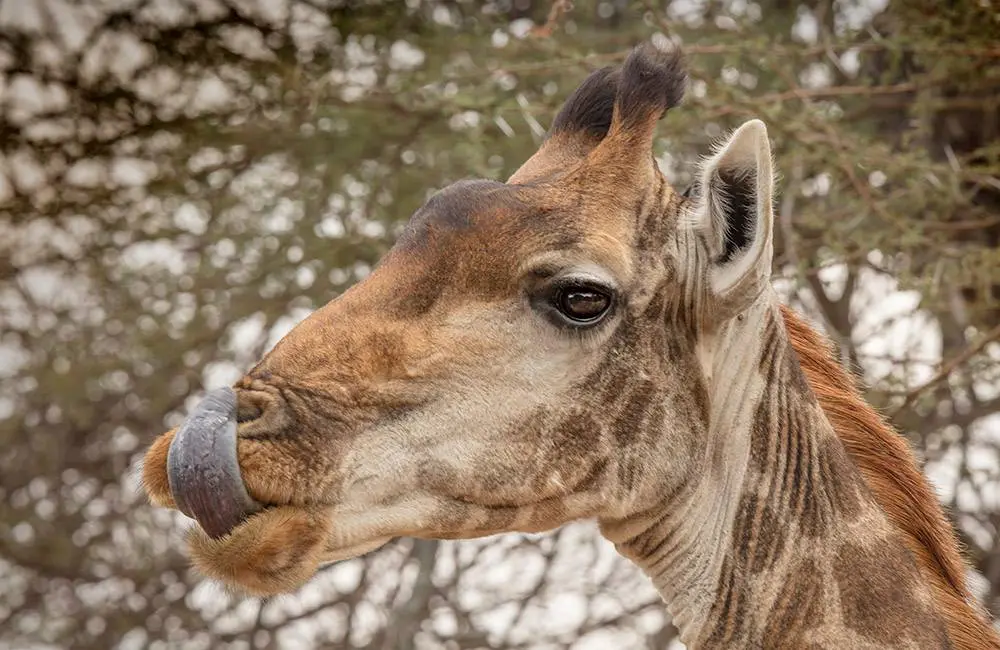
(203, 470)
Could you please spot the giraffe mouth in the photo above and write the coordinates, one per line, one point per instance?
(203, 470)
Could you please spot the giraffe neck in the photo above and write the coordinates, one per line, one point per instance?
(778, 543)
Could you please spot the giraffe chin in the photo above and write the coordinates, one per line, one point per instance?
(273, 552)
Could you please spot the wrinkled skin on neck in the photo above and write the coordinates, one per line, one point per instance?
(528, 354)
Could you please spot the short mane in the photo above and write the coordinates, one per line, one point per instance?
(891, 471)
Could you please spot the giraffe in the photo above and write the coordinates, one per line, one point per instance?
(581, 342)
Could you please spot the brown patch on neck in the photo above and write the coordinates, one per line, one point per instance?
(877, 604)
(891, 472)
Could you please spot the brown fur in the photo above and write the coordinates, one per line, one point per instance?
(377, 417)
(885, 460)
(154, 471)
(274, 552)
(883, 457)
(800, 489)
(901, 490)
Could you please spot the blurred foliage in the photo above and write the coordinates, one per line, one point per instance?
(182, 180)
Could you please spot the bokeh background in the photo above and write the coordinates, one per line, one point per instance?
(181, 181)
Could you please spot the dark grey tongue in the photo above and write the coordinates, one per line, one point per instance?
(203, 470)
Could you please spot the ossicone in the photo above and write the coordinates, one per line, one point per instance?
(621, 104)
(653, 80)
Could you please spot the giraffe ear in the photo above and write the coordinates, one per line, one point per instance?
(736, 216)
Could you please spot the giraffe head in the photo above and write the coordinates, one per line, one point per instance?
(526, 355)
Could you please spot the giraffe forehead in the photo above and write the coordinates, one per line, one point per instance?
(489, 218)
(466, 219)
(474, 240)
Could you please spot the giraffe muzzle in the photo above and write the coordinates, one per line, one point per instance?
(203, 469)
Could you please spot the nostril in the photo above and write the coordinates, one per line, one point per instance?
(253, 403)
(248, 413)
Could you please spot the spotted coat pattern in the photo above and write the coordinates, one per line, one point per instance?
(442, 398)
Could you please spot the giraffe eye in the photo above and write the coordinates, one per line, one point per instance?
(577, 301)
(581, 304)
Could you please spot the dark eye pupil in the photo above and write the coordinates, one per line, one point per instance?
(583, 304)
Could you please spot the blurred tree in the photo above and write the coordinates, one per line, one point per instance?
(182, 180)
